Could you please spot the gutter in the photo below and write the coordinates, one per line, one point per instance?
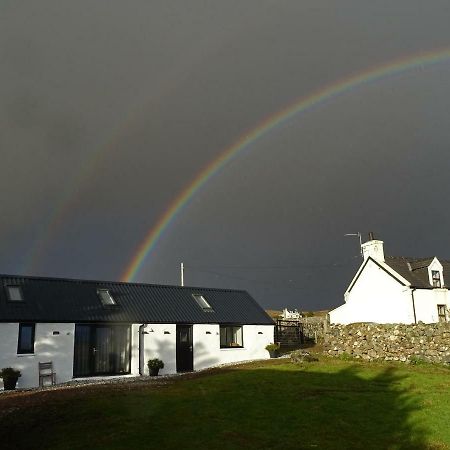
(413, 304)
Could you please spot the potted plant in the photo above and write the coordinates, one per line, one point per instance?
(10, 377)
(154, 365)
(274, 350)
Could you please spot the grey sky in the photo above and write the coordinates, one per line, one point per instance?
(109, 109)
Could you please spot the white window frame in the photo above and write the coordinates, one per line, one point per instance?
(442, 313)
(234, 336)
(436, 281)
(202, 302)
(111, 302)
(17, 289)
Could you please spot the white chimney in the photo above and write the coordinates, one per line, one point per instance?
(373, 248)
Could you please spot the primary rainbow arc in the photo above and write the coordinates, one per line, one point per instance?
(303, 104)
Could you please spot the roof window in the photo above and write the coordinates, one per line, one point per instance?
(14, 293)
(201, 301)
(105, 297)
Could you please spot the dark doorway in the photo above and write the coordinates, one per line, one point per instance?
(185, 353)
(101, 350)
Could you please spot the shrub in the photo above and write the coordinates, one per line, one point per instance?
(9, 372)
(155, 364)
(272, 347)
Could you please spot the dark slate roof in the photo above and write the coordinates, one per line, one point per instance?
(67, 300)
(415, 270)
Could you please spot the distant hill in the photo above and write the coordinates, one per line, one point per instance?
(273, 313)
(321, 313)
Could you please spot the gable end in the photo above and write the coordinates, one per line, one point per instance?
(396, 278)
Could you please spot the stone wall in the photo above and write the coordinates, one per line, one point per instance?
(314, 328)
(397, 342)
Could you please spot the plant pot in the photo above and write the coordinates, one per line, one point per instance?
(9, 383)
(154, 372)
(274, 353)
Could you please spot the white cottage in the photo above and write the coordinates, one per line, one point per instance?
(292, 315)
(97, 328)
(395, 289)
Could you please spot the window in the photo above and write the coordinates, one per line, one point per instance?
(436, 278)
(26, 338)
(106, 297)
(230, 336)
(201, 301)
(442, 317)
(14, 293)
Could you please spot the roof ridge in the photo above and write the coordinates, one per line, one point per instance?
(81, 280)
(415, 259)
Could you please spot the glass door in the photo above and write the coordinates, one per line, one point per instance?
(102, 350)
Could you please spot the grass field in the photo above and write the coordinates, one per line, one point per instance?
(331, 404)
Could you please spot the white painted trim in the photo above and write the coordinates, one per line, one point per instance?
(361, 267)
(394, 273)
(385, 266)
(435, 264)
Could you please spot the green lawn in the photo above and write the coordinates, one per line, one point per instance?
(331, 404)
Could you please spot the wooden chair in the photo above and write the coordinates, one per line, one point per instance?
(46, 371)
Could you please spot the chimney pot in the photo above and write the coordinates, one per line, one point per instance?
(371, 236)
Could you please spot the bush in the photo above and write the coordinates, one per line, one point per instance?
(155, 364)
(9, 372)
(272, 347)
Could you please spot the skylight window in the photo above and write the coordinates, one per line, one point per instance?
(14, 293)
(201, 301)
(106, 298)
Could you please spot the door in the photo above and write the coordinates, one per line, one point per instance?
(185, 353)
(101, 350)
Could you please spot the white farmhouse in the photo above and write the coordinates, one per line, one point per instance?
(97, 328)
(393, 289)
(293, 315)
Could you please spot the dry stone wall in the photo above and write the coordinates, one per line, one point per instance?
(390, 342)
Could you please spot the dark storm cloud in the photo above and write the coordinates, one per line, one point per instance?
(112, 108)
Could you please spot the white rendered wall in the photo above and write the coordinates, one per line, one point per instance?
(207, 351)
(160, 342)
(47, 347)
(426, 301)
(206, 345)
(375, 297)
